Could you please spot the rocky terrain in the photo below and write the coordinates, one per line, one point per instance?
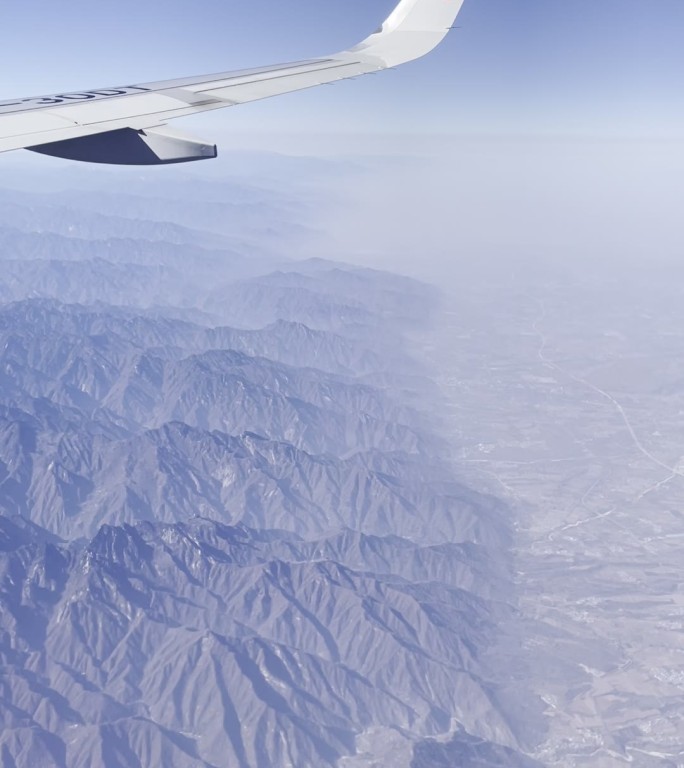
(230, 532)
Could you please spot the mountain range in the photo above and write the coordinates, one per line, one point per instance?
(232, 532)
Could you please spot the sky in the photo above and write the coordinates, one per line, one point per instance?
(587, 67)
(548, 129)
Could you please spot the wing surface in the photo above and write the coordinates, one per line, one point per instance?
(123, 115)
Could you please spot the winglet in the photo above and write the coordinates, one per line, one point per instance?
(412, 30)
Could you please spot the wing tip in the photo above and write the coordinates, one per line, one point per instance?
(413, 29)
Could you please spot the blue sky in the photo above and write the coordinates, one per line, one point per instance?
(561, 124)
(587, 67)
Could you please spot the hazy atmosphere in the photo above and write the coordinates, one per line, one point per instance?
(361, 445)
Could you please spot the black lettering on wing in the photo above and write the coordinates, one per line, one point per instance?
(76, 96)
(109, 92)
(62, 98)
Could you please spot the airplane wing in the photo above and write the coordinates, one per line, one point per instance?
(127, 124)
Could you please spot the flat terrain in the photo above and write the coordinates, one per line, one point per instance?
(566, 398)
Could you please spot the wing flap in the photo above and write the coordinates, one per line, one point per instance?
(25, 124)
